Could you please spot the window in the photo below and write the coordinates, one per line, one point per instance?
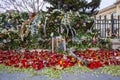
(114, 14)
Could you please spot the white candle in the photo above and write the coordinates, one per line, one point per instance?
(52, 41)
(64, 44)
(52, 44)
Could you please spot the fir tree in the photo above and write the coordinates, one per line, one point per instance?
(83, 6)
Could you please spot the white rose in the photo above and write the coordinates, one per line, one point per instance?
(4, 31)
(4, 41)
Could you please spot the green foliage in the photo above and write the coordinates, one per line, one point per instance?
(62, 52)
(112, 70)
(10, 37)
(24, 16)
(11, 69)
(105, 43)
(14, 19)
(82, 23)
(87, 40)
(72, 23)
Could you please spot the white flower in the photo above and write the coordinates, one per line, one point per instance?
(4, 31)
(55, 10)
(46, 18)
(52, 34)
(4, 41)
(83, 38)
(77, 14)
(13, 30)
(9, 20)
(39, 39)
(8, 40)
(55, 20)
(89, 21)
(47, 14)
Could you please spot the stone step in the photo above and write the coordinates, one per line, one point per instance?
(115, 43)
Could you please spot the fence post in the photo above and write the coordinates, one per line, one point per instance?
(105, 25)
(112, 23)
(100, 26)
(95, 22)
(118, 26)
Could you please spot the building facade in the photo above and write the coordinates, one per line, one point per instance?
(110, 10)
(108, 21)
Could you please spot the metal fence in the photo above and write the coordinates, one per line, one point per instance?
(108, 27)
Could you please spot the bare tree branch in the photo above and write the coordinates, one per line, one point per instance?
(33, 4)
(38, 5)
(22, 5)
(11, 1)
(24, 2)
(41, 5)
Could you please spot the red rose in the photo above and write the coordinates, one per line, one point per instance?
(35, 52)
(65, 63)
(33, 65)
(26, 66)
(93, 55)
(111, 62)
(38, 67)
(53, 57)
(118, 62)
(106, 63)
(71, 64)
(91, 65)
(98, 64)
(47, 64)
(1, 61)
(24, 61)
(1, 51)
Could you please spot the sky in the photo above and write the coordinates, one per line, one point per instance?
(104, 3)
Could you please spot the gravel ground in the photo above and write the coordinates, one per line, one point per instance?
(81, 76)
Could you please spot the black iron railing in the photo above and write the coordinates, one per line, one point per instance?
(108, 27)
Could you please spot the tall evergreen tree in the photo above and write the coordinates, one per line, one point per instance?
(82, 6)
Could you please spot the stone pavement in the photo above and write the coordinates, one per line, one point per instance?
(81, 76)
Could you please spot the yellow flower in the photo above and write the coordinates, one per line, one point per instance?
(61, 17)
(61, 62)
(96, 58)
(73, 59)
(79, 63)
